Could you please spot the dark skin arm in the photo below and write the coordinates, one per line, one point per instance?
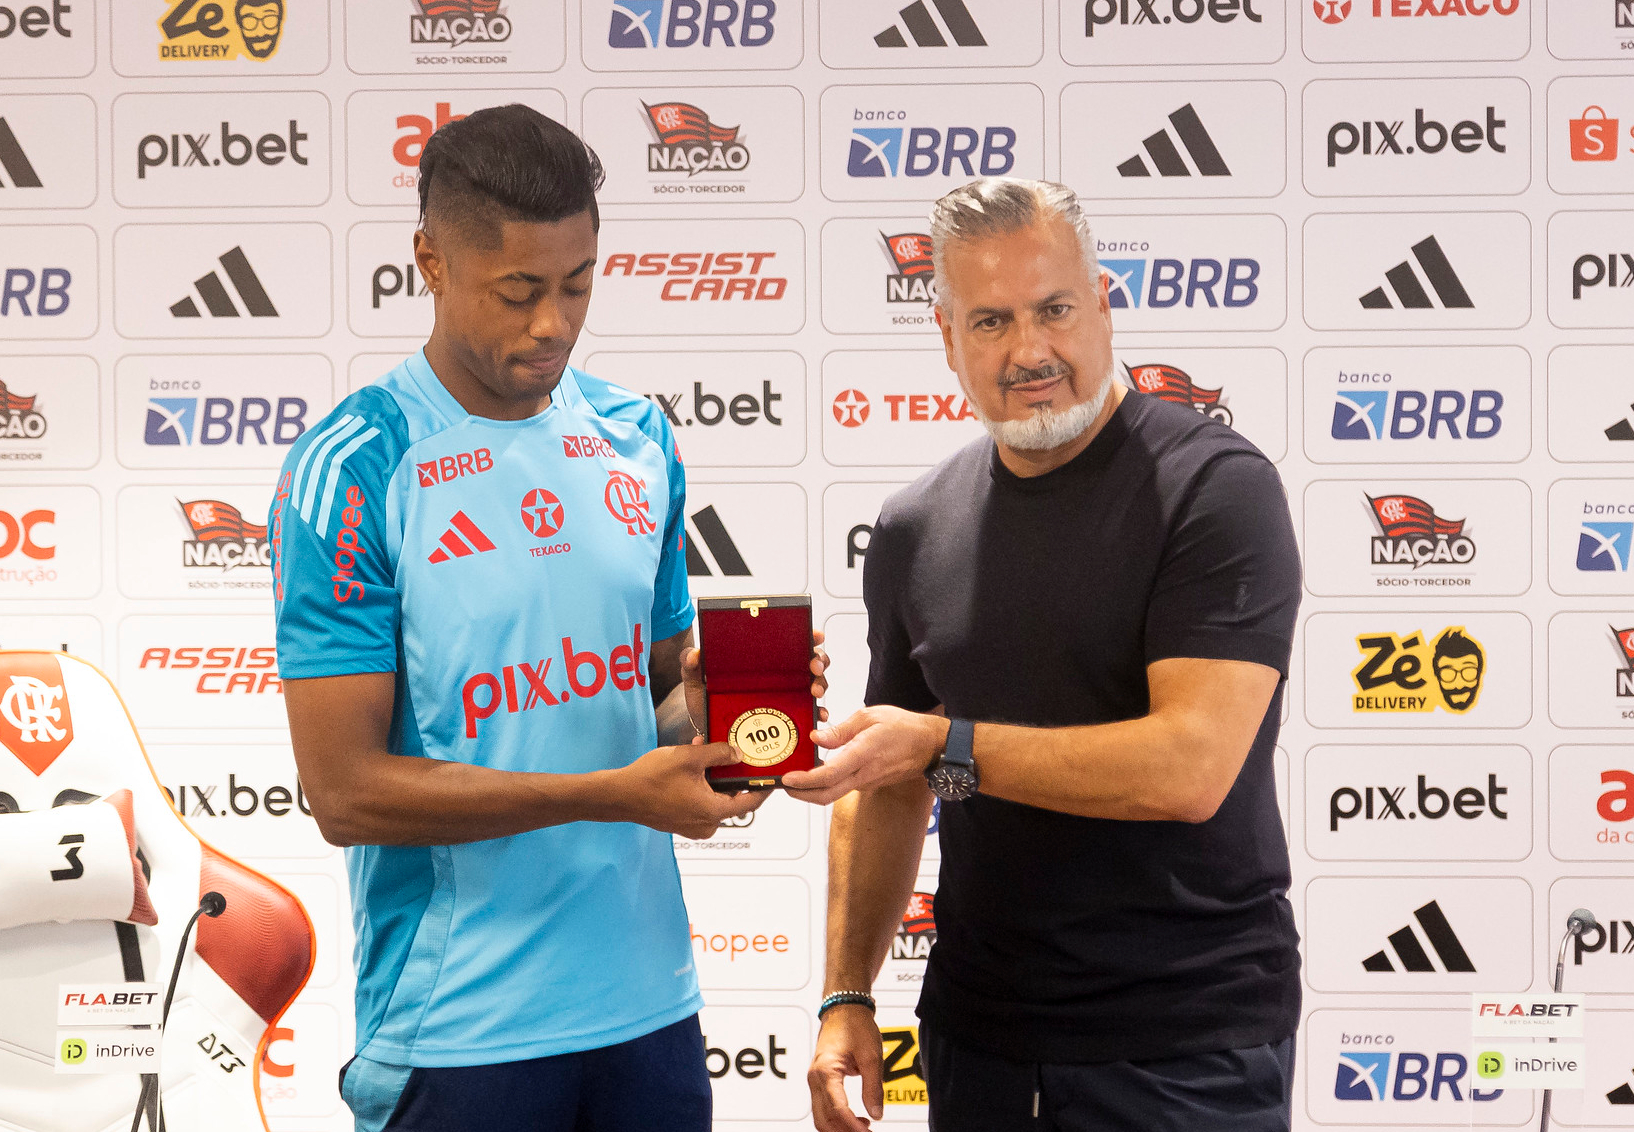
(361, 794)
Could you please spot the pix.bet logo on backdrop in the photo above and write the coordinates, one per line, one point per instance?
(906, 34)
(386, 131)
(470, 36)
(42, 39)
(917, 142)
(251, 804)
(1157, 140)
(1114, 33)
(1591, 269)
(385, 295)
(48, 150)
(1397, 31)
(685, 35)
(234, 149)
(710, 144)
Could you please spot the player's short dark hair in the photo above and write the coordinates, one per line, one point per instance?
(1453, 644)
(506, 163)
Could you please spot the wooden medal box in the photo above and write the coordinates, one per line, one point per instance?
(757, 681)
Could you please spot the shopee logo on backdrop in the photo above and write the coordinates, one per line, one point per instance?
(735, 944)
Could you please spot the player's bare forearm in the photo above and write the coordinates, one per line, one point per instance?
(874, 845)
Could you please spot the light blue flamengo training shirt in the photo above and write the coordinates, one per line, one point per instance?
(513, 574)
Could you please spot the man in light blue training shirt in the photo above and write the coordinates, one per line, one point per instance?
(483, 622)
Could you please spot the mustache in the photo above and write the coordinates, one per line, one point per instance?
(1023, 375)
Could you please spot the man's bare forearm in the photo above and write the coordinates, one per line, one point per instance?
(874, 847)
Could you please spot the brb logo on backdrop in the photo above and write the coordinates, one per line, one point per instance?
(641, 24)
(35, 294)
(1400, 674)
(927, 151)
(1158, 284)
(178, 422)
(688, 142)
(192, 30)
(1366, 1076)
(1407, 414)
(1172, 384)
(455, 23)
(1605, 545)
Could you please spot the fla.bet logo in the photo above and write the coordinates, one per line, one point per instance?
(1415, 674)
(637, 24)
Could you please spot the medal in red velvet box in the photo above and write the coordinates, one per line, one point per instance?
(757, 686)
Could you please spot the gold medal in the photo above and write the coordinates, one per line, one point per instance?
(764, 736)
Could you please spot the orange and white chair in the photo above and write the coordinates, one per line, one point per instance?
(66, 739)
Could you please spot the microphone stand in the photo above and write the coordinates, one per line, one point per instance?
(1560, 976)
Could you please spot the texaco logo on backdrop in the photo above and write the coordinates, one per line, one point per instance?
(1367, 537)
(48, 281)
(1404, 271)
(223, 149)
(387, 129)
(1591, 803)
(698, 277)
(916, 143)
(48, 150)
(713, 144)
(1358, 31)
(1591, 403)
(1393, 670)
(243, 797)
(739, 409)
(1194, 273)
(1418, 803)
(960, 33)
(1591, 669)
(1416, 404)
(51, 39)
(680, 35)
(49, 412)
(1417, 137)
(222, 280)
(893, 407)
(1418, 934)
(471, 36)
(50, 542)
(200, 670)
(1155, 140)
(217, 411)
(1111, 33)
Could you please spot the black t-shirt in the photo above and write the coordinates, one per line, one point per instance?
(1041, 601)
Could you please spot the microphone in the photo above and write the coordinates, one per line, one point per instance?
(1580, 921)
(213, 904)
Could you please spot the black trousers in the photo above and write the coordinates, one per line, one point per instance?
(1243, 1090)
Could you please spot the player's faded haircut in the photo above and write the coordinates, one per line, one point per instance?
(1453, 644)
(506, 163)
(994, 206)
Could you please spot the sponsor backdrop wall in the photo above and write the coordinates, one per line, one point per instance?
(1389, 241)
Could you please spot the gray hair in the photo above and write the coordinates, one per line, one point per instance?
(994, 206)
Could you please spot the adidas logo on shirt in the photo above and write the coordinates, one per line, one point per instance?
(216, 299)
(462, 539)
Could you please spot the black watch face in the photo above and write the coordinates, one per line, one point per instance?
(953, 783)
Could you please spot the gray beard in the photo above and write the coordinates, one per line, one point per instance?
(1047, 428)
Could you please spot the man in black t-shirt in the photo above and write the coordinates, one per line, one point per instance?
(1080, 627)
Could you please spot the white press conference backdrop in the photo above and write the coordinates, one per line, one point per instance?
(1388, 241)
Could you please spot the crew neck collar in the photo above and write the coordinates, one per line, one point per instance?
(1095, 456)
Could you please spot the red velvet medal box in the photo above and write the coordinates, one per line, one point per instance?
(757, 675)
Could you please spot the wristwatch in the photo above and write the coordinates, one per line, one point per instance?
(952, 776)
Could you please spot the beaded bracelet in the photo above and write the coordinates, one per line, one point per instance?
(845, 997)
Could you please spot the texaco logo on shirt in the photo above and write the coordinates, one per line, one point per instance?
(626, 499)
(542, 513)
(851, 408)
